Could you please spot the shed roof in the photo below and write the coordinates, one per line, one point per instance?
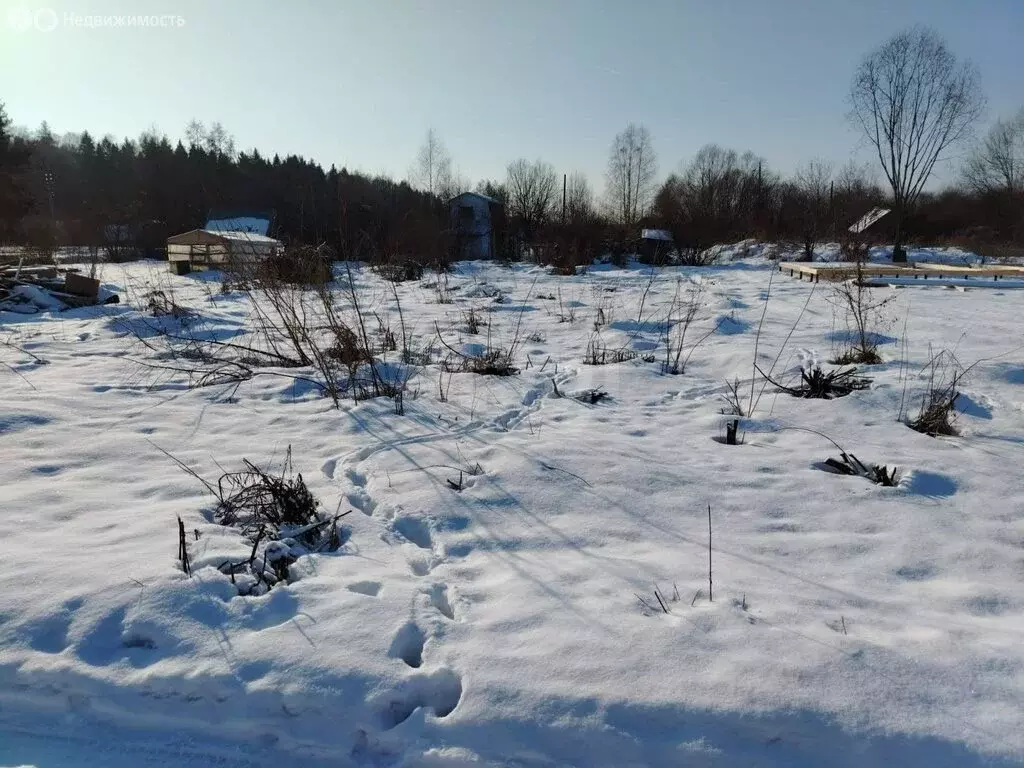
(207, 237)
(868, 220)
(476, 194)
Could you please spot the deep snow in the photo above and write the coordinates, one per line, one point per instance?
(851, 624)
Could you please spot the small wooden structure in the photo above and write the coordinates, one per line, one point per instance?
(655, 245)
(475, 221)
(923, 270)
(205, 249)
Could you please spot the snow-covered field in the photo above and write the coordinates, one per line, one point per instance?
(851, 624)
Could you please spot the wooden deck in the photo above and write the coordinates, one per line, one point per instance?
(994, 271)
(817, 271)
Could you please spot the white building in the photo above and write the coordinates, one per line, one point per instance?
(202, 249)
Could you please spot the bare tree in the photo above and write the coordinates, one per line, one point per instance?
(195, 133)
(813, 187)
(632, 167)
(455, 185)
(531, 193)
(717, 197)
(913, 100)
(997, 165)
(432, 171)
(579, 199)
(219, 142)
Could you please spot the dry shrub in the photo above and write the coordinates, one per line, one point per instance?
(598, 354)
(300, 265)
(937, 414)
(275, 510)
(864, 312)
(818, 384)
(399, 271)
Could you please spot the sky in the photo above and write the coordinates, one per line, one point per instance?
(357, 84)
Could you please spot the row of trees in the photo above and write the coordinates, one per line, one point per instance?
(911, 98)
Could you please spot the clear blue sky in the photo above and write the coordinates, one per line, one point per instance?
(357, 84)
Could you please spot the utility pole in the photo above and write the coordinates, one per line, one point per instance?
(565, 177)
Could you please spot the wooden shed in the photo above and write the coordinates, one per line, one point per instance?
(205, 249)
(477, 222)
(656, 245)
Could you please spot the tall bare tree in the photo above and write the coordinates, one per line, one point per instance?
(913, 100)
(432, 171)
(997, 165)
(531, 193)
(813, 191)
(632, 167)
(195, 133)
(579, 199)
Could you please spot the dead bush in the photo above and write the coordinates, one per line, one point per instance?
(474, 320)
(399, 271)
(864, 312)
(491, 362)
(160, 304)
(849, 464)
(299, 265)
(937, 413)
(824, 385)
(592, 396)
(682, 314)
(276, 513)
(598, 354)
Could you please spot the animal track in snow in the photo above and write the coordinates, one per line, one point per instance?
(407, 644)
(328, 468)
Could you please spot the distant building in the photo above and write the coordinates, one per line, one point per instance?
(656, 245)
(203, 249)
(476, 221)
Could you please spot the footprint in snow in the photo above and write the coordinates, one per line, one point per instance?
(414, 529)
(440, 600)
(357, 478)
(368, 588)
(407, 644)
(440, 690)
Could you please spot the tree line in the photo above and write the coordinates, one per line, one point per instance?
(911, 99)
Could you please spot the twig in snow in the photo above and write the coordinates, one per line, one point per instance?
(711, 598)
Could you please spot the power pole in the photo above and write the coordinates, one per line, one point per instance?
(565, 177)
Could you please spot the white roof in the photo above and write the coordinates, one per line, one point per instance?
(245, 237)
(868, 219)
(656, 234)
(477, 194)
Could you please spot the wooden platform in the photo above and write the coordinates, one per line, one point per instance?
(994, 271)
(817, 271)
